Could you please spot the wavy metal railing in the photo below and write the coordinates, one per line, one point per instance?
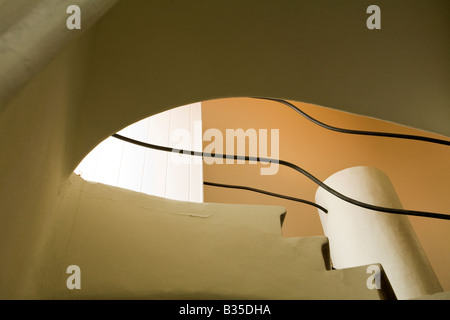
(301, 170)
(358, 132)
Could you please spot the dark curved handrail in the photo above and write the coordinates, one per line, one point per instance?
(357, 132)
(292, 166)
(277, 195)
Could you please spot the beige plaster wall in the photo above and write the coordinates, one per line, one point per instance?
(154, 55)
(132, 245)
(33, 129)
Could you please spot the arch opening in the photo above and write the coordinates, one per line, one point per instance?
(173, 176)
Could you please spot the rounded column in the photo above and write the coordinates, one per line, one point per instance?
(360, 236)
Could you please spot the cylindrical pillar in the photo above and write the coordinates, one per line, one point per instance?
(360, 236)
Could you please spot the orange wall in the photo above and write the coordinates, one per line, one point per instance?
(420, 171)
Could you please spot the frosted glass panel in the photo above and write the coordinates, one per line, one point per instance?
(155, 171)
(195, 167)
(178, 173)
(175, 176)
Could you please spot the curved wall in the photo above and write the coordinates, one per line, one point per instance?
(150, 56)
(144, 57)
